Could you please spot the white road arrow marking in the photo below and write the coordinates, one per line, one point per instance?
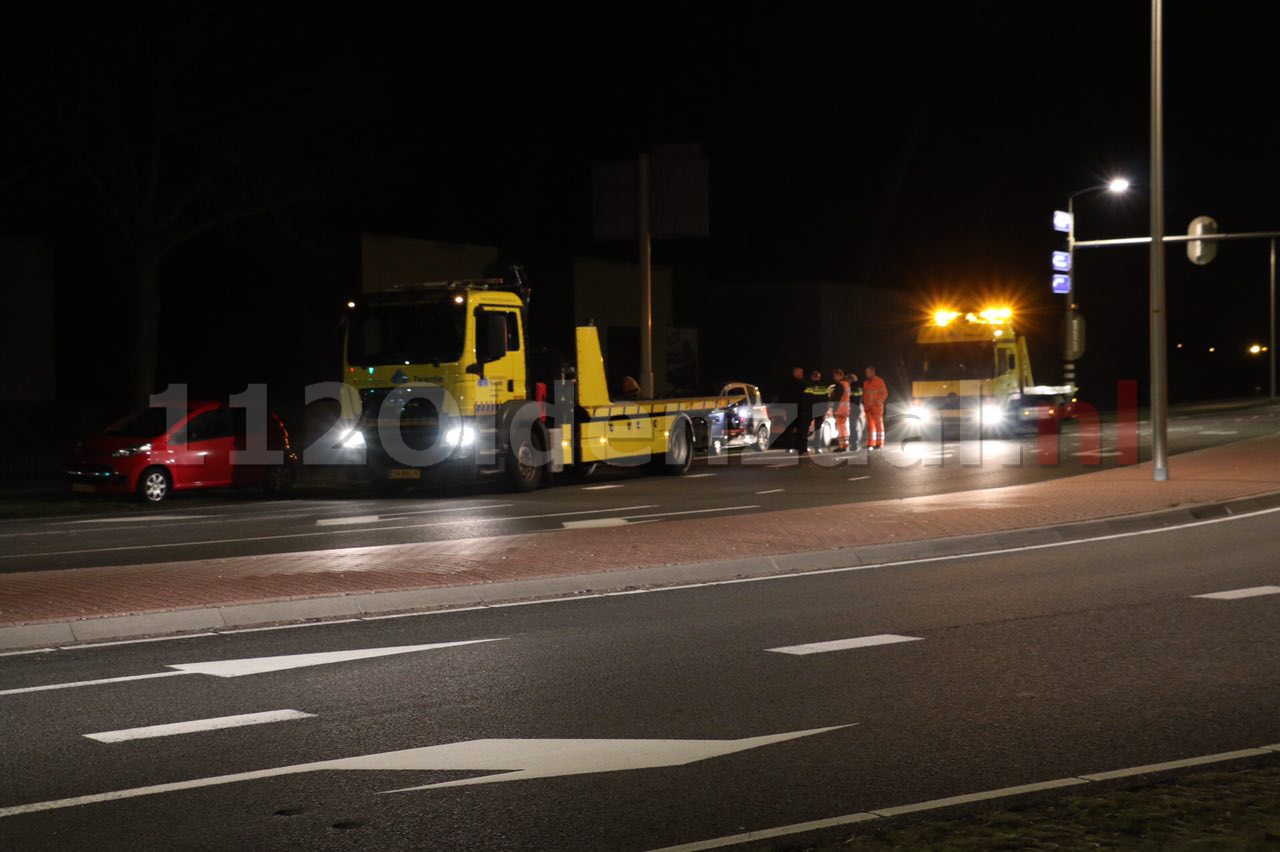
(553, 758)
(175, 728)
(522, 758)
(255, 665)
(1236, 594)
(844, 644)
(258, 665)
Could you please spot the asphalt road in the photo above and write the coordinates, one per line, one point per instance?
(1026, 666)
(240, 525)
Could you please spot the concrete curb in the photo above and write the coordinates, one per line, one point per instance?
(633, 579)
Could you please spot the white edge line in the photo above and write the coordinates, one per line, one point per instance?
(771, 491)
(858, 478)
(693, 512)
(359, 530)
(30, 651)
(968, 798)
(270, 627)
(132, 641)
(195, 725)
(736, 580)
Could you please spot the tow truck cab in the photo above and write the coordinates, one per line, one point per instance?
(973, 370)
(440, 383)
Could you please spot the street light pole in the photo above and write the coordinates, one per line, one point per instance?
(1115, 185)
(1159, 346)
(646, 277)
(1068, 365)
(1272, 348)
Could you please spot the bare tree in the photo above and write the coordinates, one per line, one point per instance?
(169, 121)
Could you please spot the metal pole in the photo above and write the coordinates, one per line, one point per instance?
(1272, 346)
(1159, 347)
(646, 278)
(1068, 365)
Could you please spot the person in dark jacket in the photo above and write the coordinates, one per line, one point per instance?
(815, 407)
(796, 402)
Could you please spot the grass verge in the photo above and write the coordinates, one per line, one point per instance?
(1218, 811)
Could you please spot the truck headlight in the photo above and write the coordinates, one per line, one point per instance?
(464, 435)
(992, 413)
(352, 439)
(131, 451)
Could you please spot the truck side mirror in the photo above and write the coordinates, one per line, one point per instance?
(491, 336)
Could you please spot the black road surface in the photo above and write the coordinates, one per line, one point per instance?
(1030, 665)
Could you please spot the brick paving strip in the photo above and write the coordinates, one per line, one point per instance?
(1216, 474)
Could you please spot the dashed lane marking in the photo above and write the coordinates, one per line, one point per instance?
(772, 491)
(357, 519)
(594, 523)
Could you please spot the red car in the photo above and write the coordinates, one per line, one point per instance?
(159, 450)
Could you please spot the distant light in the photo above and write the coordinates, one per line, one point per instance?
(943, 318)
(1179, 345)
(458, 300)
(1212, 349)
(1118, 184)
(999, 332)
(1255, 349)
(351, 304)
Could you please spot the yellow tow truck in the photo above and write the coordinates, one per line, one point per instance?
(973, 370)
(439, 382)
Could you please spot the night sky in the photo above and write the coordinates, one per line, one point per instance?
(920, 147)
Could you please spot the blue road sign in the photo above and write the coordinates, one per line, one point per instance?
(1062, 261)
(1062, 284)
(1061, 221)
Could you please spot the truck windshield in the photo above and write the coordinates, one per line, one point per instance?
(942, 362)
(406, 333)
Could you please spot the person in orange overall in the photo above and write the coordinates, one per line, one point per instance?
(839, 397)
(874, 395)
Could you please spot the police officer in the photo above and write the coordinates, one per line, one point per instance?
(839, 407)
(815, 410)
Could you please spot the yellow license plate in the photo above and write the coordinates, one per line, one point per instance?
(406, 473)
(81, 488)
